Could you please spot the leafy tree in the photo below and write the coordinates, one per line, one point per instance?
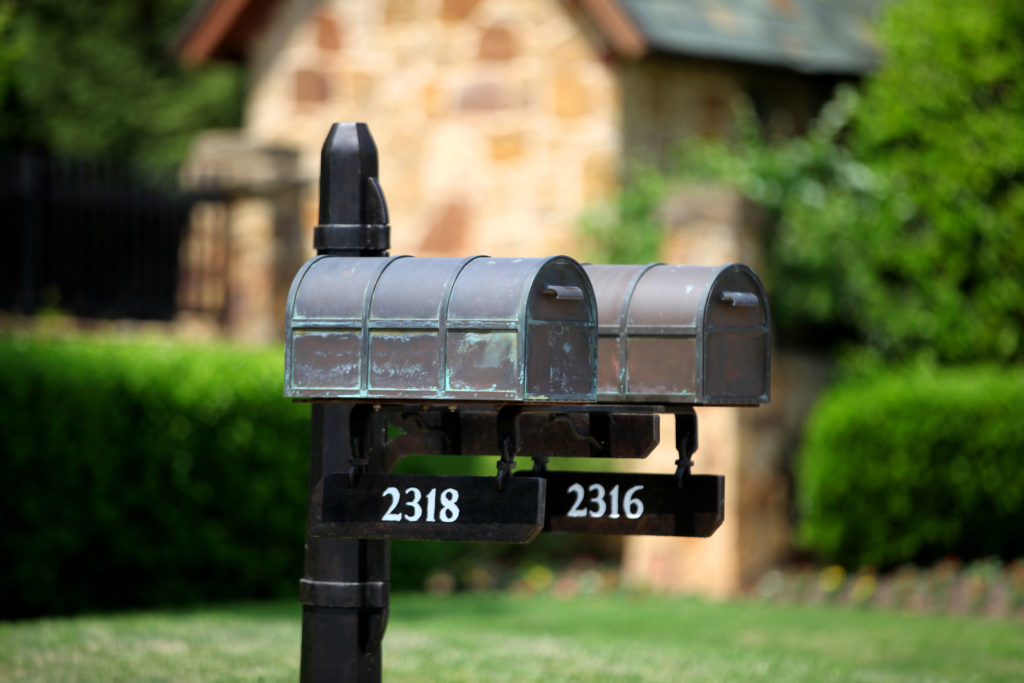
(945, 117)
(99, 80)
(898, 222)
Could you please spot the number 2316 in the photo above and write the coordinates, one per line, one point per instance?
(603, 503)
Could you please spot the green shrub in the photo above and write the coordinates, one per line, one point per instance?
(914, 465)
(908, 225)
(135, 474)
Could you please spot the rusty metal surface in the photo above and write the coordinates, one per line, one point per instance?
(681, 334)
(736, 339)
(477, 329)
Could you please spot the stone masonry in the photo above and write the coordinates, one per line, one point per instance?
(496, 121)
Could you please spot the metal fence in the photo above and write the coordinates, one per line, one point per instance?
(99, 240)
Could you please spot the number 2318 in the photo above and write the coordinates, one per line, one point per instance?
(416, 501)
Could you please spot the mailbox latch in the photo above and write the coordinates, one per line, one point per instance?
(741, 299)
(563, 292)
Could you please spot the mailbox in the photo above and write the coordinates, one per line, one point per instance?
(520, 357)
(681, 334)
(456, 330)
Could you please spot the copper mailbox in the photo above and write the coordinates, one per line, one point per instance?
(442, 329)
(681, 334)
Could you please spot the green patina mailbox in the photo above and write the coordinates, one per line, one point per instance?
(454, 330)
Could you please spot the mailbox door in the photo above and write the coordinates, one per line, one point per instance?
(561, 335)
(736, 339)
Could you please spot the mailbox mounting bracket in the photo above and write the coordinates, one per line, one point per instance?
(533, 431)
(595, 431)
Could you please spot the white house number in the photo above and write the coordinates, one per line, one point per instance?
(420, 506)
(602, 503)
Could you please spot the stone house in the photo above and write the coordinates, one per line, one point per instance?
(498, 123)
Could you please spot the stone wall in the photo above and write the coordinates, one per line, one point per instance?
(245, 243)
(496, 121)
(671, 99)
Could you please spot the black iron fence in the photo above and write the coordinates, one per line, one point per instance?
(98, 240)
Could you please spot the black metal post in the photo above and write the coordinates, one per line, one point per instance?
(346, 589)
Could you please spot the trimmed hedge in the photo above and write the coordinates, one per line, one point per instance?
(137, 474)
(915, 465)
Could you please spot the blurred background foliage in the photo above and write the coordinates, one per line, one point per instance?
(138, 473)
(897, 225)
(895, 240)
(100, 81)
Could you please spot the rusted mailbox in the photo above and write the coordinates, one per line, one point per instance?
(442, 329)
(681, 335)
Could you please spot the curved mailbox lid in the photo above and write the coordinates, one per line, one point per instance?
(681, 334)
(441, 329)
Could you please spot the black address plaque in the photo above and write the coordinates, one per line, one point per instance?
(432, 507)
(634, 504)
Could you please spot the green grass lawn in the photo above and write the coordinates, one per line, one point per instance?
(494, 637)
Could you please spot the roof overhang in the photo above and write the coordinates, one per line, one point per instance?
(220, 29)
(617, 27)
